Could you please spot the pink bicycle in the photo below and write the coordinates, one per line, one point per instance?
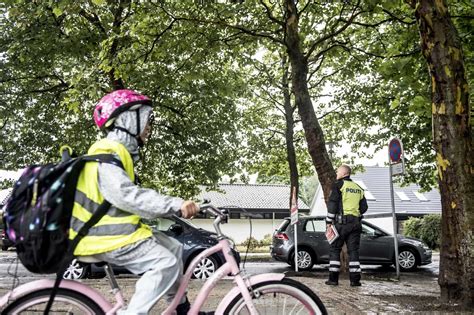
(269, 293)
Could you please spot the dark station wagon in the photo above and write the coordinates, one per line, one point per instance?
(376, 245)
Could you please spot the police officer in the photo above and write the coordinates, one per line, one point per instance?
(346, 206)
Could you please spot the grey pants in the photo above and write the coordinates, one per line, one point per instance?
(159, 259)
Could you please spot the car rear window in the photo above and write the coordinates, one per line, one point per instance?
(283, 225)
(315, 226)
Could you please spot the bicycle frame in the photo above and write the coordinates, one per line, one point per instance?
(76, 286)
(243, 285)
(230, 266)
(37, 285)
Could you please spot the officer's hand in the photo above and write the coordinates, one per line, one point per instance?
(189, 209)
(328, 226)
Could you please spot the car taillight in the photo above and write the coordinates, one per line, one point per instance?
(281, 236)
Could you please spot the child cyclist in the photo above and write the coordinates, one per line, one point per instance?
(120, 237)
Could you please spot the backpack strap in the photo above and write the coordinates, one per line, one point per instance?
(103, 158)
(98, 214)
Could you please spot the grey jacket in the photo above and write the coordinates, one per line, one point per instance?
(118, 189)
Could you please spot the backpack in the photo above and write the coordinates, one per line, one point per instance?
(37, 215)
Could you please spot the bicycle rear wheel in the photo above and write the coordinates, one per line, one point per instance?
(279, 297)
(65, 302)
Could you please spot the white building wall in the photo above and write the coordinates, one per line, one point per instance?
(239, 229)
(318, 205)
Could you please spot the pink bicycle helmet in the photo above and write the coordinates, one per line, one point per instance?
(115, 103)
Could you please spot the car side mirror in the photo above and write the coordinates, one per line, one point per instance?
(177, 229)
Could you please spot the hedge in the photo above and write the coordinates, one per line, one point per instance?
(427, 229)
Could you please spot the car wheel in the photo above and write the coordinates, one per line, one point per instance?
(76, 270)
(407, 259)
(305, 260)
(205, 268)
(4, 248)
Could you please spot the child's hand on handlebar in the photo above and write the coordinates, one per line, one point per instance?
(188, 209)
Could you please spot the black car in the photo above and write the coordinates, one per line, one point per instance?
(376, 245)
(194, 241)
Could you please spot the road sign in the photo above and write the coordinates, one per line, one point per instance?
(398, 168)
(395, 150)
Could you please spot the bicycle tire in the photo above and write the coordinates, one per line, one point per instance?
(66, 300)
(271, 296)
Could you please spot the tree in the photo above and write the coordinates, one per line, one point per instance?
(453, 143)
(290, 25)
(383, 90)
(275, 149)
(58, 58)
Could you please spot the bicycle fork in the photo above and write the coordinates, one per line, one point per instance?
(247, 292)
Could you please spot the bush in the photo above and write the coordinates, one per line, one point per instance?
(431, 230)
(427, 229)
(412, 227)
(267, 240)
(251, 242)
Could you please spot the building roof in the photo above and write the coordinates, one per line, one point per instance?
(253, 197)
(375, 181)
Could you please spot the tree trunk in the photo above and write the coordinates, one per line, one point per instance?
(453, 144)
(289, 131)
(313, 132)
(117, 82)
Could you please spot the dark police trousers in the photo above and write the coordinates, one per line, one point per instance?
(349, 232)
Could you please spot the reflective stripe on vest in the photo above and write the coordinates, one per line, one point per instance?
(91, 206)
(117, 228)
(352, 194)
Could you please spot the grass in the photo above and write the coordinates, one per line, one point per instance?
(261, 249)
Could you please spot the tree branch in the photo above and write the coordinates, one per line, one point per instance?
(324, 77)
(354, 14)
(157, 37)
(329, 112)
(172, 109)
(398, 19)
(304, 8)
(93, 19)
(51, 89)
(270, 15)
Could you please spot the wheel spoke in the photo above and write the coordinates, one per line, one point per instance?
(280, 297)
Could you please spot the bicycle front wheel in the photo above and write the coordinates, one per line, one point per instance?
(279, 297)
(65, 302)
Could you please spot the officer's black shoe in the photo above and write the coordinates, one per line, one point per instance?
(329, 282)
(356, 284)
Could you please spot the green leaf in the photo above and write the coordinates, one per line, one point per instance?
(395, 103)
(57, 11)
(98, 2)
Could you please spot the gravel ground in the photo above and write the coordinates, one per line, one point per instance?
(416, 292)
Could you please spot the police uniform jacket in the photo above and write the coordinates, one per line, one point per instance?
(346, 198)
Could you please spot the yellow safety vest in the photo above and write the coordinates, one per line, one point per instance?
(117, 228)
(352, 194)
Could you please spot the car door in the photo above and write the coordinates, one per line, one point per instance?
(314, 231)
(375, 245)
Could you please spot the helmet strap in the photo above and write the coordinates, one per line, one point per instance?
(124, 130)
(139, 139)
(137, 135)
